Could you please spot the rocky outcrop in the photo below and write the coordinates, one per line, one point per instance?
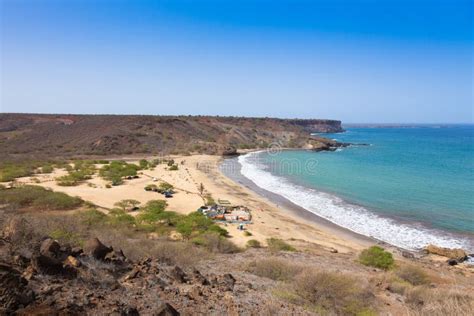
(456, 254)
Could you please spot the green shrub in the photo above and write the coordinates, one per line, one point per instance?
(39, 198)
(10, 171)
(154, 212)
(117, 170)
(93, 217)
(65, 236)
(377, 257)
(173, 168)
(47, 169)
(196, 223)
(275, 244)
(143, 163)
(247, 233)
(119, 217)
(151, 187)
(252, 243)
(214, 242)
(165, 186)
(413, 275)
(108, 186)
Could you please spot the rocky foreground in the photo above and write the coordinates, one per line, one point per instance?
(59, 280)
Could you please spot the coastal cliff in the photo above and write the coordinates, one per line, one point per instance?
(70, 135)
(319, 126)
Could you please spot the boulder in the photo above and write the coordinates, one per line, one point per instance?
(96, 249)
(52, 266)
(227, 282)
(457, 254)
(178, 274)
(165, 309)
(50, 247)
(452, 262)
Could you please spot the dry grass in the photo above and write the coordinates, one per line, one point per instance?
(275, 245)
(329, 293)
(439, 302)
(274, 268)
(413, 275)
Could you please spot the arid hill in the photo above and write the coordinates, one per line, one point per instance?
(69, 135)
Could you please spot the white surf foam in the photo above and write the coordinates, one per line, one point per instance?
(352, 217)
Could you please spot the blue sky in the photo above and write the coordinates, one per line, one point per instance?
(358, 61)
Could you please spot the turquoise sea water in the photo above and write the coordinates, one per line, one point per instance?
(409, 187)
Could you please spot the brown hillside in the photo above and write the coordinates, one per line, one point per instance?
(67, 135)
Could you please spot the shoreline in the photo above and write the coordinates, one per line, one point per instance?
(287, 206)
(322, 223)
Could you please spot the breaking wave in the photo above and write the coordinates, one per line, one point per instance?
(353, 217)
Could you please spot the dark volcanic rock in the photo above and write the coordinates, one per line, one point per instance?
(50, 247)
(13, 290)
(165, 309)
(96, 249)
(227, 282)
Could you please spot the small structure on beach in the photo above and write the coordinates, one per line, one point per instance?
(229, 214)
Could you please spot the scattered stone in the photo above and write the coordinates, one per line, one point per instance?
(333, 250)
(129, 311)
(132, 274)
(408, 254)
(452, 262)
(96, 249)
(73, 262)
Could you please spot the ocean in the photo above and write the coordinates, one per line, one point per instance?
(406, 186)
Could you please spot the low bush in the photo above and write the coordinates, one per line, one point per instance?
(39, 198)
(275, 245)
(215, 243)
(151, 187)
(247, 233)
(252, 243)
(274, 268)
(117, 170)
(376, 257)
(173, 168)
(413, 275)
(118, 217)
(332, 293)
(12, 170)
(93, 217)
(47, 169)
(165, 186)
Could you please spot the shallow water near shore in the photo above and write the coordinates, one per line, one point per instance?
(409, 187)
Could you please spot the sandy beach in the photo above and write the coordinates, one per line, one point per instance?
(271, 216)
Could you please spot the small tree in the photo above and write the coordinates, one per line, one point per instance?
(127, 205)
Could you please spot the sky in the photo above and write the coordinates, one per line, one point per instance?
(377, 61)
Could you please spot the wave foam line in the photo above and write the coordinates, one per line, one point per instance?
(352, 217)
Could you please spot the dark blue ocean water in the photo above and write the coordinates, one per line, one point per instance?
(412, 186)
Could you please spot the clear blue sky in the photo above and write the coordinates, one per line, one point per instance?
(358, 61)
